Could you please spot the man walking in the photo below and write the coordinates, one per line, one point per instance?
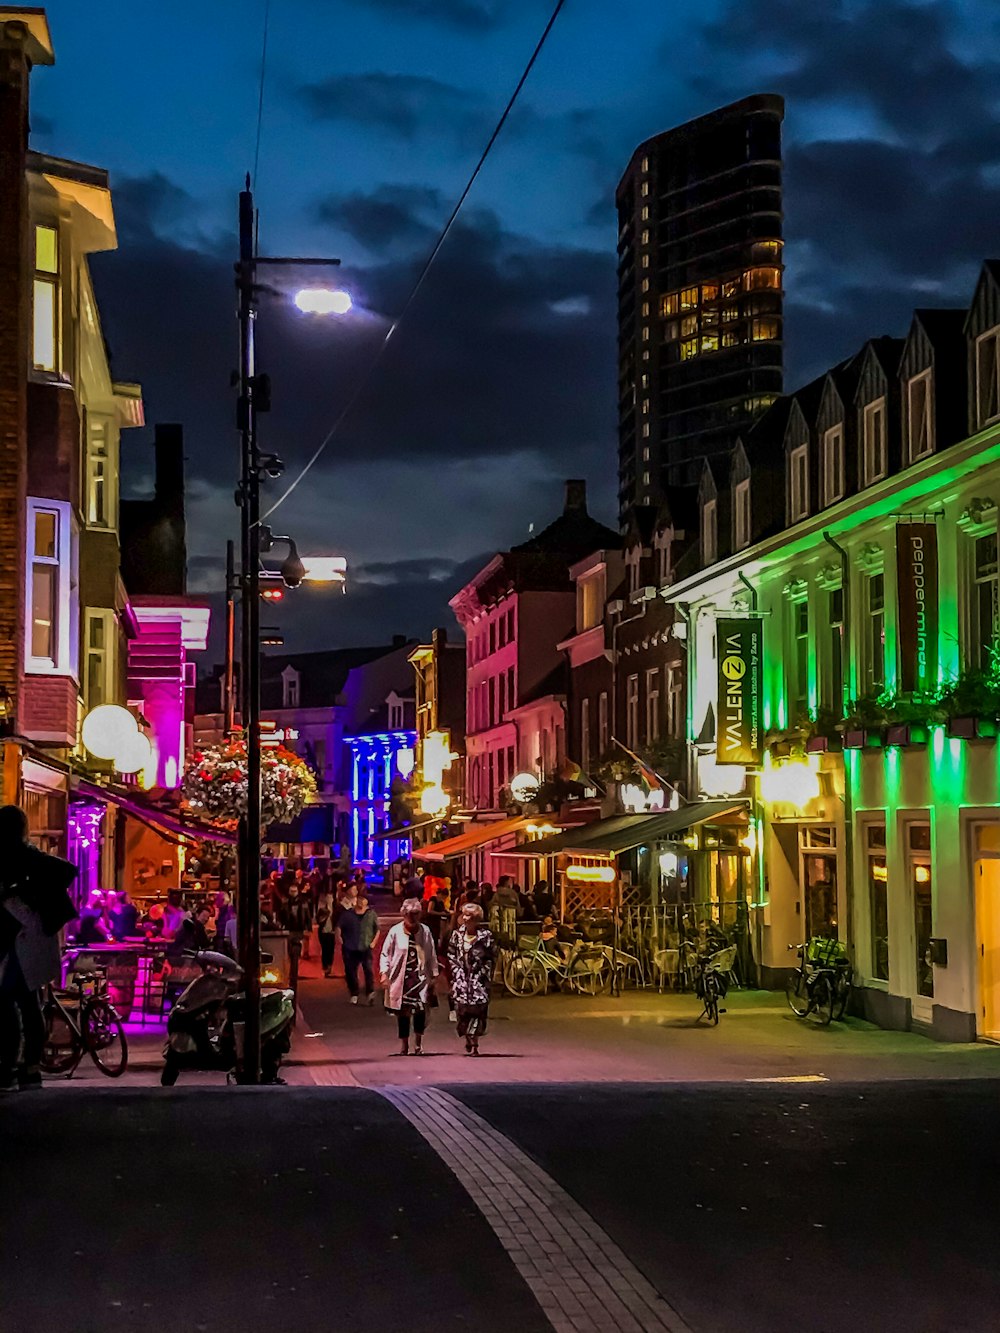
(358, 926)
(34, 907)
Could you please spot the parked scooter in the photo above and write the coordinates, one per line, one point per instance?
(206, 1025)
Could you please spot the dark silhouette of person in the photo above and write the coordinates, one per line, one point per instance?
(34, 907)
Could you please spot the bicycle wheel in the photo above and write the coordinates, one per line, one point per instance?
(592, 982)
(823, 1002)
(525, 976)
(797, 994)
(842, 995)
(104, 1037)
(711, 999)
(62, 1052)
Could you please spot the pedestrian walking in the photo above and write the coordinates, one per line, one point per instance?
(328, 912)
(296, 918)
(34, 907)
(358, 927)
(471, 956)
(408, 967)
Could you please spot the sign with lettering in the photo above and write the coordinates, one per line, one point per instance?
(739, 737)
(917, 581)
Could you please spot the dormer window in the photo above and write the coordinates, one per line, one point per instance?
(875, 459)
(798, 478)
(919, 395)
(289, 688)
(396, 715)
(988, 378)
(833, 464)
(710, 532)
(741, 515)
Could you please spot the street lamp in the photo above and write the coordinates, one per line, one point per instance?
(323, 301)
(254, 397)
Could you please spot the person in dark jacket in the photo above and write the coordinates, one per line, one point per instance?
(542, 899)
(359, 927)
(34, 907)
(192, 935)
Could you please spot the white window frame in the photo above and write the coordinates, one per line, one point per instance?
(795, 703)
(869, 617)
(710, 532)
(741, 514)
(67, 604)
(983, 417)
(99, 429)
(976, 655)
(44, 280)
(798, 483)
(652, 705)
(912, 437)
(632, 710)
(105, 657)
(834, 470)
(875, 465)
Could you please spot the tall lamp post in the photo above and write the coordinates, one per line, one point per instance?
(254, 396)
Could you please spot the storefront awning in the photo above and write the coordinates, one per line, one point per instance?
(478, 835)
(660, 827)
(172, 826)
(403, 830)
(577, 837)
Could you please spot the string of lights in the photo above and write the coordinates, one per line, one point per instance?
(365, 378)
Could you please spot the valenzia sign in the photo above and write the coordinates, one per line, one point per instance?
(739, 736)
(917, 575)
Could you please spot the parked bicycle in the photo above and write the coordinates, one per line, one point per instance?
(712, 973)
(586, 969)
(81, 1020)
(820, 987)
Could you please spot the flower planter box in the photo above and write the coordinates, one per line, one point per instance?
(863, 738)
(971, 728)
(907, 733)
(824, 744)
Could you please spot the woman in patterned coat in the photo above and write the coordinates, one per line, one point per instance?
(471, 955)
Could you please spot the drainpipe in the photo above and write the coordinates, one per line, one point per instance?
(757, 815)
(845, 584)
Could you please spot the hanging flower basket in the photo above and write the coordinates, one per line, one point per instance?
(215, 784)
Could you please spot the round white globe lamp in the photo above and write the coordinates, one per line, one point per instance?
(107, 729)
(134, 755)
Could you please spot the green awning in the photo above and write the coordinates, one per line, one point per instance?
(660, 827)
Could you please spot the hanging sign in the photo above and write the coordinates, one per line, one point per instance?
(917, 581)
(740, 731)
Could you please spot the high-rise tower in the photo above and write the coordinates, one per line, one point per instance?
(699, 292)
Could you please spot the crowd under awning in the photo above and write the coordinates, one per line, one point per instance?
(620, 833)
(477, 835)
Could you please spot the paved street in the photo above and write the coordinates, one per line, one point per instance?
(609, 1166)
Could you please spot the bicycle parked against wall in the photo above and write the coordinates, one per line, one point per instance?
(81, 1020)
(820, 987)
(712, 972)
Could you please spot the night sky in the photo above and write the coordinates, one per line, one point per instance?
(501, 381)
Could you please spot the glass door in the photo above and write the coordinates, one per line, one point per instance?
(920, 873)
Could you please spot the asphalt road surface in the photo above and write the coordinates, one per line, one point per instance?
(771, 1207)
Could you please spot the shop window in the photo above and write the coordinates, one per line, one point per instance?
(741, 514)
(833, 464)
(988, 378)
(919, 418)
(875, 631)
(798, 465)
(818, 862)
(874, 445)
(632, 710)
(45, 355)
(918, 837)
(985, 600)
(878, 900)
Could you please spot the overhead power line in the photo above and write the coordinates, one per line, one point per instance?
(260, 93)
(427, 265)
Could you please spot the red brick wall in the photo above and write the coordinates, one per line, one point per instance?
(14, 333)
(49, 708)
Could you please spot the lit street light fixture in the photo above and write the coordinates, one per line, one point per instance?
(323, 301)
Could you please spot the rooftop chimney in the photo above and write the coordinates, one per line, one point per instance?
(576, 497)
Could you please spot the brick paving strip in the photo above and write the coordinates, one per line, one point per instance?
(578, 1275)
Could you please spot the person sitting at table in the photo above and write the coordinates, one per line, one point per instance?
(174, 914)
(94, 927)
(124, 917)
(192, 935)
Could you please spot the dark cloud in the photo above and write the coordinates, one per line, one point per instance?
(468, 15)
(434, 569)
(403, 104)
(390, 216)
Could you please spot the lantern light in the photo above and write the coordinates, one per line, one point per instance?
(107, 730)
(134, 755)
(524, 787)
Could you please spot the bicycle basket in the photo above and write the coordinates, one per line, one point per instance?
(824, 952)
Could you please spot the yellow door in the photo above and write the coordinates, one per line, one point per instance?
(988, 930)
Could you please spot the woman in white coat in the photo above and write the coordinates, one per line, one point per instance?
(408, 966)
